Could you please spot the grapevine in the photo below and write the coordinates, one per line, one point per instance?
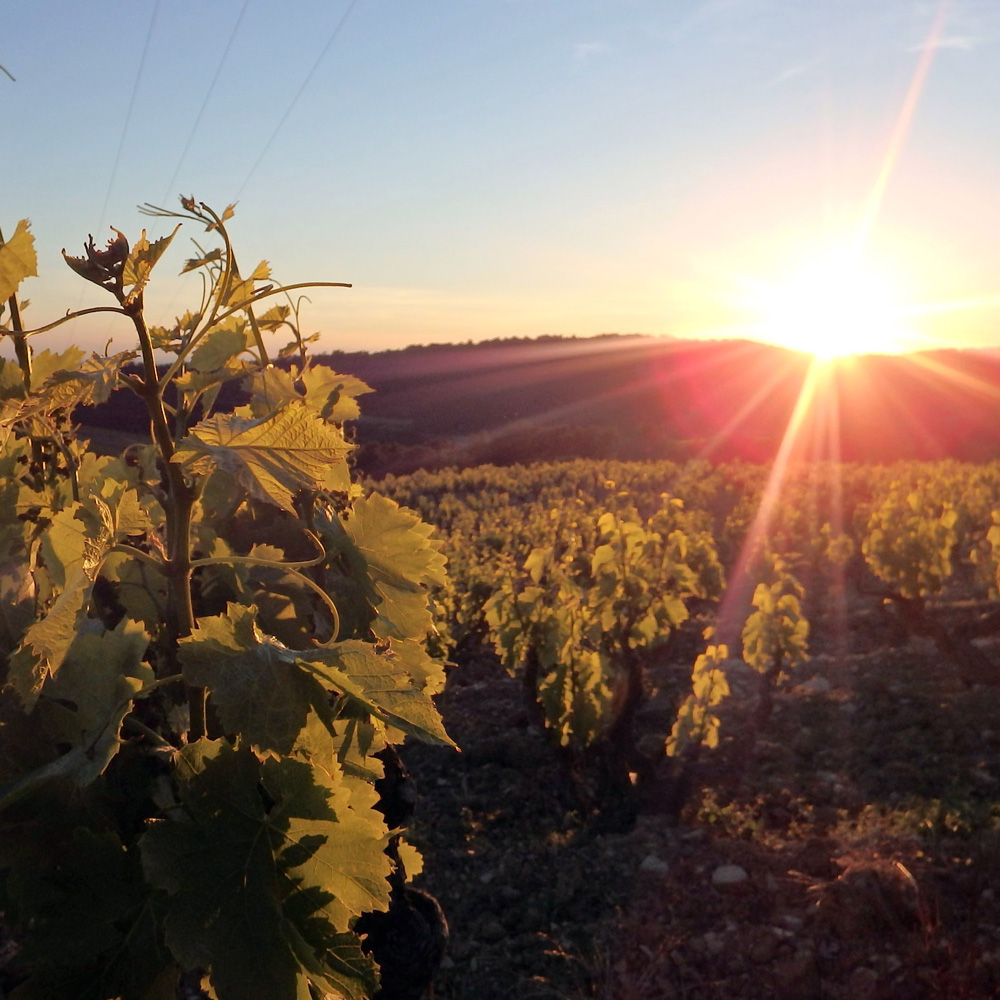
(205, 643)
(577, 626)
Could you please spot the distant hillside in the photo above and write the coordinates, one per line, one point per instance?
(647, 397)
(638, 397)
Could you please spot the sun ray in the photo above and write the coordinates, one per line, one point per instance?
(961, 380)
(904, 120)
(762, 393)
(737, 596)
(837, 327)
(953, 305)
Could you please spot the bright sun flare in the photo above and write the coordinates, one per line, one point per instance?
(836, 305)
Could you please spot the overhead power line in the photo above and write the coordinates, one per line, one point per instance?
(305, 83)
(128, 115)
(169, 192)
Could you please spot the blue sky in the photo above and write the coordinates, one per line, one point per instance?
(483, 168)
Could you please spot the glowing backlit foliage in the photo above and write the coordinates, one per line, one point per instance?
(204, 642)
(911, 536)
(575, 621)
(696, 724)
(776, 633)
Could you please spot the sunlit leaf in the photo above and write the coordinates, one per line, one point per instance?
(220, 346)
(241, 289)
(45, 364)
(271, 388)
(210, 257)
(375, 682)
(17, 260)
(272, 457)
(333, 396)
(401, 558)
(91, 382)
(274, 318)
(142, 260)
(256, 685)
(47, 642)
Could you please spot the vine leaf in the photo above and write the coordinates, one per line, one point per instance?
(17, 260)
(271, 388)
(394, 550)
(271, 457)
(269, 865)
(265, 691)
(85, 703)
(328, 394)
(374, 683)
(142, 260)
(93, 930)
(274, 318)
(255, 684)
(74, 548)
(47, 642)
(333, 396)
(241, 289)
(344, 969)
(427, 672)
(220, 346)
(215, 254)
(45, 363)
(91, 381)
(348, 747)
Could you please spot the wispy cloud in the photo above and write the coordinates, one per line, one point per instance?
(790, 73)
(961, 43)
(582, 51)
(711, 11)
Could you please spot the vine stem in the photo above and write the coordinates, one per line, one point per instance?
(292, 570)
(21, 348)
(178, 506)
(242, 307)
(76, 314)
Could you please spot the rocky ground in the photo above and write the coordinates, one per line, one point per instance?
(855, 854)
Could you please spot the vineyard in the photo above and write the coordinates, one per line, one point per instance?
(724, 731)
(668, 676)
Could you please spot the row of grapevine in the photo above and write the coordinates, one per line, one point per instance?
(577, 571)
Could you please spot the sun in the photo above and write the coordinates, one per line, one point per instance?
(835, 305)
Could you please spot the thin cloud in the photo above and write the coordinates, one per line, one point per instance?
(960, 43)
(582, 51)
(709, 12)
(789, 74)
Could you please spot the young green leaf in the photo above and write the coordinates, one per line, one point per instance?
(272, 457)
(394, 550)
(17, 260)
(141, 262)
(220, 346)
(264, 858)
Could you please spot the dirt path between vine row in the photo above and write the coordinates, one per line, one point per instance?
(857, 856)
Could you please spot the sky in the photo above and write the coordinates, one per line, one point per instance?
(494, 168)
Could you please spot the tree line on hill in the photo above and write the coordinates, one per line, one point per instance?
(635, 397)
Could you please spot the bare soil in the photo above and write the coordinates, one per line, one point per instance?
(853, 853)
